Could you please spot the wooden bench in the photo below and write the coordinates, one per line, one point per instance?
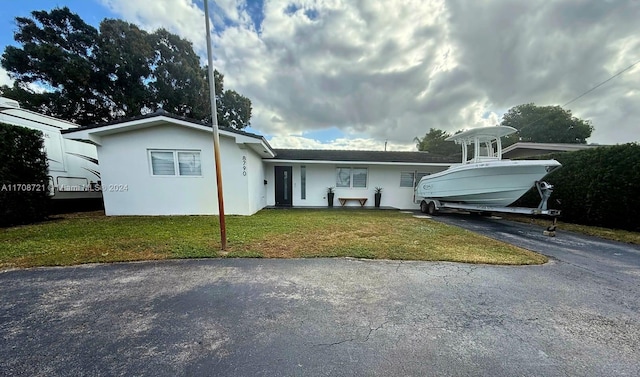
(343, 201)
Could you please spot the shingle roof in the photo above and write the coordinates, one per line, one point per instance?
(164, 113)
(301, 154)
(360, 156)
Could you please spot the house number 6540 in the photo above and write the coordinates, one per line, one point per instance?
(244, 166)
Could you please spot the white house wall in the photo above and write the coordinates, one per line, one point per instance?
(255, 176)
(320, 176)
(130, 189)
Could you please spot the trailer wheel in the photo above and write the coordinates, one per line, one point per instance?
(423, 207)
(431, 209)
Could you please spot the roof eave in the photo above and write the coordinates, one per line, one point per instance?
(351, 162)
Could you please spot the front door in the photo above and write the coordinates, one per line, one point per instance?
(283, 185)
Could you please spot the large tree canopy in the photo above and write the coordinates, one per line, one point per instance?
(537, 124)
(434, 142)
(545, 124)
(68, 69)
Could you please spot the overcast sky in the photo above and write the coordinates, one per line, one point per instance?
(352, 74)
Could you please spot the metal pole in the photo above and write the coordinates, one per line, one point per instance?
(216, 137)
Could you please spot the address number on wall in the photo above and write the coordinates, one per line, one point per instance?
(244, 166)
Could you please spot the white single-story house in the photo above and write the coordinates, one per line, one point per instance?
(162, 164)
(353, 174)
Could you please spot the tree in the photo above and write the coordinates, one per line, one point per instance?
(434, 142)
(179, 86)
(56, 54)
(23, 176)
(124, 57)
(545, 124)
(233, 109)
(68, 69)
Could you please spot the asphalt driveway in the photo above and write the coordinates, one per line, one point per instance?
(327, 317)
(612, 260)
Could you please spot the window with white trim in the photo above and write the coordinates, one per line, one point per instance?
(303, 182)
(352, 177)
(407, 178)
(419, 177)
(359, 177)
(175, 163)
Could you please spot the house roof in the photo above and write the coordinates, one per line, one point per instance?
(160, 112)
(527, 149)
(360, 156)
(93, 133)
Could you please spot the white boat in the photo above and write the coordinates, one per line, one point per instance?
(484, 178)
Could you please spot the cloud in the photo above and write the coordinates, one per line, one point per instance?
(392, 70)
(4, 78)
(301, 142)
(550, 53)
(178, 16)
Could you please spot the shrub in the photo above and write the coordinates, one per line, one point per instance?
(23, 176)
(599, 186)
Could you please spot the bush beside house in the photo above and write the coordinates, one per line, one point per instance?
(599, 186)
(23, 176)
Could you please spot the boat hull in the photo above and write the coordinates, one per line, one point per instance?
(495, 183)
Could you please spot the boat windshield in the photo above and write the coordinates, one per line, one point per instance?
(481, 144)
(481, 149)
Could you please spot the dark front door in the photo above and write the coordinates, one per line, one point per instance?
(283, 186)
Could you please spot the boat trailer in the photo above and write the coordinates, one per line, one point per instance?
(431, 206)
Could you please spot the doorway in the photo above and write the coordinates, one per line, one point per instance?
(283, 186)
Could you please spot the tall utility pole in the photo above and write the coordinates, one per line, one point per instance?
(216, 137)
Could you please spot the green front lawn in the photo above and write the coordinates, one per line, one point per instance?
(93, 237)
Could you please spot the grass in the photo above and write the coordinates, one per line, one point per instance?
(605, 233)
(93, 237)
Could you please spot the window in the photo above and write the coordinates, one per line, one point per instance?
(303, 182)
(351, 177)
(419, 177)
(172, 163)
(162, 163)
(360, 177)
(343, 177)
(189, 163)
(407, 178)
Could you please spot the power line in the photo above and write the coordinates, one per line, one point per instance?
(602, 83)
(587, 92)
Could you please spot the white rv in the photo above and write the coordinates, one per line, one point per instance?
(73, 165)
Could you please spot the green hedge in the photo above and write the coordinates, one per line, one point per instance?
(23, 176)
(598, 186)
